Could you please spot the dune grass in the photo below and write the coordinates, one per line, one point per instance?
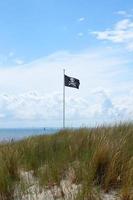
(101, 159)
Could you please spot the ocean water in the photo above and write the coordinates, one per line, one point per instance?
(19, 133)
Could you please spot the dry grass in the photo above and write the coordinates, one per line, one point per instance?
(102, 158)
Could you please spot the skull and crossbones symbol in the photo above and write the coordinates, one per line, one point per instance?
(72, 82)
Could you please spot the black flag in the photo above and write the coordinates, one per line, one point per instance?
(71, 82)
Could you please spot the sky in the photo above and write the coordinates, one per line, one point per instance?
(91, 40)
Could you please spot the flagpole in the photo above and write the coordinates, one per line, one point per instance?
(63, 98)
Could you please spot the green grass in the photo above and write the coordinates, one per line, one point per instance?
(101, 158)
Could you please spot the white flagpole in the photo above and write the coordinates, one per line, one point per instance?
(63, 98)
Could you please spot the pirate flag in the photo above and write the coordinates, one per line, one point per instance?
(71, 82)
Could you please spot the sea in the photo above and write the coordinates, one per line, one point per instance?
(7, 134)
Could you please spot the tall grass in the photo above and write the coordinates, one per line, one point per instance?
(101, 159)
(8, 171)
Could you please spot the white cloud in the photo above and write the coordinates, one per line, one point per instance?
(125, 13)
(121, 33)
(124, 25)
(18, 61)
(10, 59)
(11, 54)
(33, 106)
(81, 19)
(45, 76)
(130, 46)
(2, 115)
(3, 59)
(80, 34)
(121, 12)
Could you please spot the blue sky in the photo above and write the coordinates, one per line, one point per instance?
(35, 28)
(93, 40)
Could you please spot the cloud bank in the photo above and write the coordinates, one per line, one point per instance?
(31, 94)
(100, 108)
